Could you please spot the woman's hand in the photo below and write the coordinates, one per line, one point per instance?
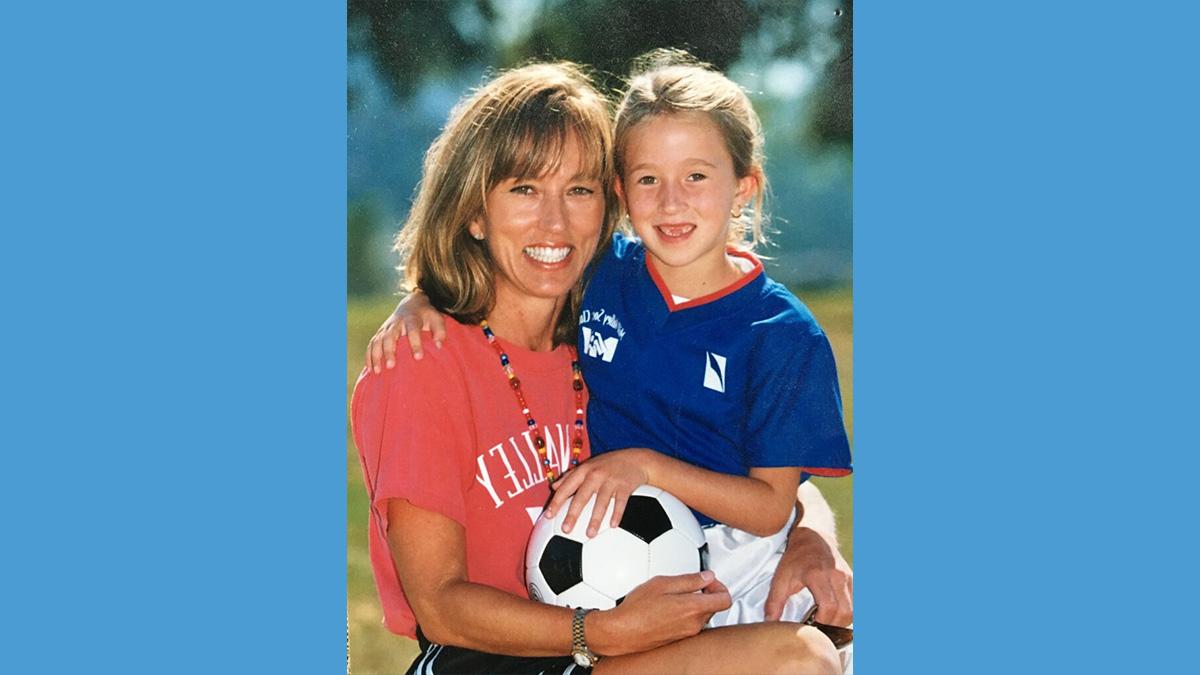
(659, 612)
(612, 476)
(411, 317)
(810, 562)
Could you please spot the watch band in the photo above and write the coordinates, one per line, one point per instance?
(579, 649)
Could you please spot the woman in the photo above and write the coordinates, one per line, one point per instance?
(458, 449)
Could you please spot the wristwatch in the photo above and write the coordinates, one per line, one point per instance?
(579, 649)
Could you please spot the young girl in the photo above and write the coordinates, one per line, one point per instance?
(706, 378)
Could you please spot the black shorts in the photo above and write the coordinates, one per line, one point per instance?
(436, 659)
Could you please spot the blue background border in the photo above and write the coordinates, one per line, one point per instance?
(174, 277)
(177, 484)
(1024, 354)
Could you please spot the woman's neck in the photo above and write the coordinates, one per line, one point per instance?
(529, 324)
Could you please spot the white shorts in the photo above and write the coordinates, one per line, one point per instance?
(746, 563)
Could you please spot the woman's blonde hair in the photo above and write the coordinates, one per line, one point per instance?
(671, 81)
(517, 125)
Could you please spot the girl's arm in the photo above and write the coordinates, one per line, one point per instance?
(759, 503)
(811, 560)
(429, 551)
(411, 317)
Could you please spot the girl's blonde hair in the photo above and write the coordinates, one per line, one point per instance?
(671, 81)
(517, 125)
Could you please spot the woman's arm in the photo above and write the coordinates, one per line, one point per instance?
(812, 560)
(429, 551)
(759, 503)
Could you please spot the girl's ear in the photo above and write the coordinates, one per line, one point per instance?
(749, 186)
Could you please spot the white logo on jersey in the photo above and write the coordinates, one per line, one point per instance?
(597, 346)
(714, 372)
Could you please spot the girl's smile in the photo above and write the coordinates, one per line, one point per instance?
(679, 189)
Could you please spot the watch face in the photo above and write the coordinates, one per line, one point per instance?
(582, 659)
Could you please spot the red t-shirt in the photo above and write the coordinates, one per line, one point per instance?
(446, 434)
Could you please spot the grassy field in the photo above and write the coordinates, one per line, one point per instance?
(374, 650)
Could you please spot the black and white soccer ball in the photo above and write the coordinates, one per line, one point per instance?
(657, 535)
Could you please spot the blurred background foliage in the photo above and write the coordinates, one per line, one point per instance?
(408, 62)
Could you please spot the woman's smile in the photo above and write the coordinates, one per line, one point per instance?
(541, 231)
(549, 255)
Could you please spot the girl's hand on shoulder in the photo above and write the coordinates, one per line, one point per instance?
(411, 317)
(612, 476)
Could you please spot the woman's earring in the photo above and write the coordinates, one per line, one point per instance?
(736, 212)
(478, 236)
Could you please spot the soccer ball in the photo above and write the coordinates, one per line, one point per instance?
(657, 535)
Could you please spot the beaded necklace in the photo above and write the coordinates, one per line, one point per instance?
(538, 442)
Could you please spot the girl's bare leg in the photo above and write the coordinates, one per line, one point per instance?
(761, 648)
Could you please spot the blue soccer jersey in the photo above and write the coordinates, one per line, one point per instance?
(738, 379)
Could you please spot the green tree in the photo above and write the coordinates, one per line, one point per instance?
(411, 40)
